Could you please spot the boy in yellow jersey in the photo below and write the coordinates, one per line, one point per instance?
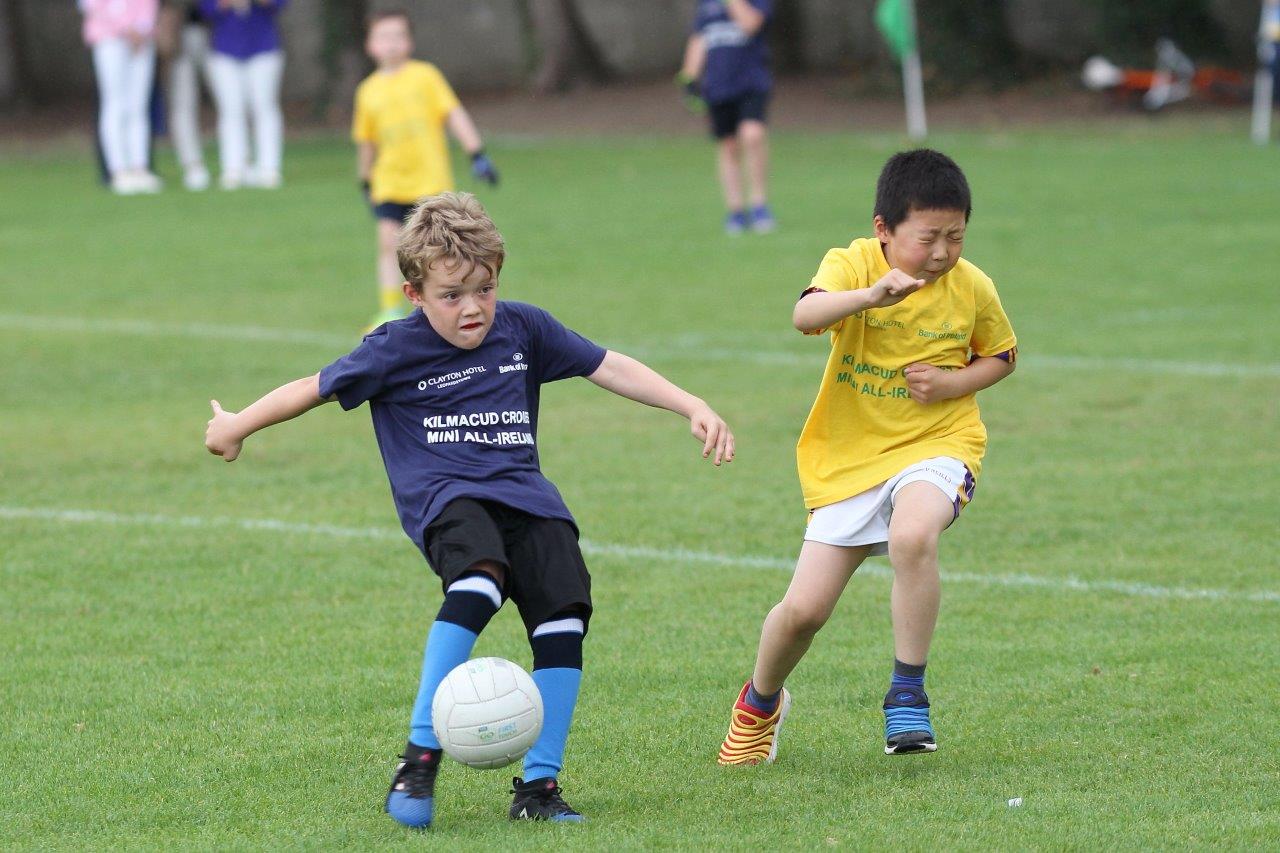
(401, 112)
(891, 450)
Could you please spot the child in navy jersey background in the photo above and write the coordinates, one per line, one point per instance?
(726, 65)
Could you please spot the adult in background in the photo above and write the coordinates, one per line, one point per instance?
(726, 62)
(121, 35)
(185, 41)
(245, 71)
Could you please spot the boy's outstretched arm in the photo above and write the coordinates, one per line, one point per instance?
(819, 309)
(464, 130)
(928, 384)
(628, 378)
(227, 431)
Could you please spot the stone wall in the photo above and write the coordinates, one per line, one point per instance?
(480, 44)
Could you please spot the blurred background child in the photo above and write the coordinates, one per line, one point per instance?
(402, 156)
(244, 71)
(188, 62)
(726, 62)
(121, 35)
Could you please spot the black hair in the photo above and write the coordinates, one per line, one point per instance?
(922, 179)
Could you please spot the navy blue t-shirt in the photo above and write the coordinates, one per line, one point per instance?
(737, 64)
(454, 423)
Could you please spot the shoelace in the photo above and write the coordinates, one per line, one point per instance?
(417, 778)
(550, 796)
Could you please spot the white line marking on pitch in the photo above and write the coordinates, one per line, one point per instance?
(666, 555)
(684, 346)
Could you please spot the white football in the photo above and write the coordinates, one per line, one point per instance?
(487, 713)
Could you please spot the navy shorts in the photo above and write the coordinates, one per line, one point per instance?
(393, 210)
(727, 115)
(546, 576)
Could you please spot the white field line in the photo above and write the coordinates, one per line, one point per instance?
(635, 552)
(684, 346)
(148, 329)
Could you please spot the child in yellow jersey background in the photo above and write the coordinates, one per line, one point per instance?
(401, 112)
(893, 445)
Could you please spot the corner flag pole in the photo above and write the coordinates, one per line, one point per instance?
(1263, 80)
(913, 79)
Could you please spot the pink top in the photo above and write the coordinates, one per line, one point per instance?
(111, 19)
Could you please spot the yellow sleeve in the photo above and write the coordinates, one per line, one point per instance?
(363, 126)
(835, 273)
(443, 100)
(992, 332)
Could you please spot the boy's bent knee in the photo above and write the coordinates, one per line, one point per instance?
(913, 544)
(490, 568)
(803, 618)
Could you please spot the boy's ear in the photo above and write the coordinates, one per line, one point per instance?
(412, 293)
(883, 231)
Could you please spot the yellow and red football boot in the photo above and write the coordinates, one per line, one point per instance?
(753, 736)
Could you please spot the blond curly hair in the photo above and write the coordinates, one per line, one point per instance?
(452, 228)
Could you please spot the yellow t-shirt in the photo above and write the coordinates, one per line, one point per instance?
(864, 427)
(404, 114)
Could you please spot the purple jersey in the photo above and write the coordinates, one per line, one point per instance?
(243, 35)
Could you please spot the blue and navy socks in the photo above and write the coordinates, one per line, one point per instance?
(907, 675)
(557, 670)
(469, 603)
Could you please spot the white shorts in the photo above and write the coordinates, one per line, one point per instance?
(864, 518)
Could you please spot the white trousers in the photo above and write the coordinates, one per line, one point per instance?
(124, 91)
(242, 86)
(185, 71)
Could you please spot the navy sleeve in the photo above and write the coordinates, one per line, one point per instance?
(561, 352)
(764, 7)
(359, 375)
(698, 23)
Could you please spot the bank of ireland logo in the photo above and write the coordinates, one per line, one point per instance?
(946, 327)
(517, 364)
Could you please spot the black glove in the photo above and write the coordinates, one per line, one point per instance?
(690, 93)
(482, 168)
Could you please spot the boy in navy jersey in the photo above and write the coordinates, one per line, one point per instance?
(453, 390)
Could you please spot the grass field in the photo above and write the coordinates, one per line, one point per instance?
(224, 656)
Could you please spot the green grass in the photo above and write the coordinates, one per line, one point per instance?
(178, 684)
